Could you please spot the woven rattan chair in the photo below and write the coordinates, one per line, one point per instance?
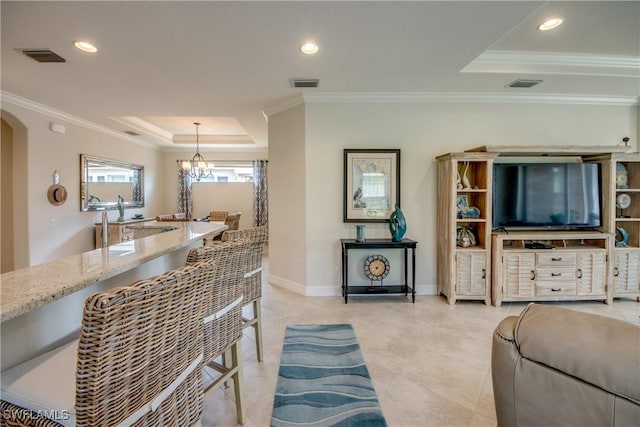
(252, 277)
(218, 216)
(172, 217)
(233, 221)
(223, 311)
(137, 362)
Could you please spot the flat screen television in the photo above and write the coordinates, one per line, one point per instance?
(546, 195)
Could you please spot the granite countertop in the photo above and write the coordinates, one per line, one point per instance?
(28, 288)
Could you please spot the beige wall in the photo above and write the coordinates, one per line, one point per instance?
(6, 199)
(52, 232)
(224, 196)
(288, 199)
(421, 131)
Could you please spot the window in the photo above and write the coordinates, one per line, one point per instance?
(231, 171)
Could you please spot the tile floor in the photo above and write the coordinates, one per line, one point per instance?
(429, 361)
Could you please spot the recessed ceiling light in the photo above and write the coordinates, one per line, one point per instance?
(550, 23)
(309, 48)
(85, 46)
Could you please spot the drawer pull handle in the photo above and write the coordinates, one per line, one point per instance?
(556, 274)
(579, 273)
(533, 275)
(616, 271)
(556, 289)
(484, 273)
(556, 258)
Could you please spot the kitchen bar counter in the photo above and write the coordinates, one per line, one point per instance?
(29, 288)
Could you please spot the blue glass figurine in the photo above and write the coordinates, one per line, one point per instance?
(397, 224)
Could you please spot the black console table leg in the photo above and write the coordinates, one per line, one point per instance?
(413, 275)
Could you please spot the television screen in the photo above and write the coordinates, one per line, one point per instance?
(546, 195)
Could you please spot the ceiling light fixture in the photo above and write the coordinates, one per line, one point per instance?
(85, 46)
(309, 48)
(198, 167)
(550, 23)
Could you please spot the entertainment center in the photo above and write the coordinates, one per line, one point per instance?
(518, 223)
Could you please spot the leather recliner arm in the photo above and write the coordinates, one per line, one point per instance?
(504, 358)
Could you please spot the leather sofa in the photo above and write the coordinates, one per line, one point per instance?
(554, 366)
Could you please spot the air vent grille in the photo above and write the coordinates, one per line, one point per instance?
(43, 55)
(524, 83)
(304, 82)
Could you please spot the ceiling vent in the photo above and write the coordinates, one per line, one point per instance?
(132, 133)
(43, 55)
(524, 83)
(304, 82)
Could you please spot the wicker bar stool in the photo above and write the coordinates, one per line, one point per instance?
(137, 362)
(223, 312)
(252, 277)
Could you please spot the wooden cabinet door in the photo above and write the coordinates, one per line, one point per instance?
(471, 273)
(627, 271)
(518, 274)
(591, 273)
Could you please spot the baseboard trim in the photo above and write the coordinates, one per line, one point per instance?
(287, 284)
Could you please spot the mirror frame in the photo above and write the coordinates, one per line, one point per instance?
(85, 161)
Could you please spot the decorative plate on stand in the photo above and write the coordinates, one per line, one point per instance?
(376, 267)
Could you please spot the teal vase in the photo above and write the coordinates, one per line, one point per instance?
(397, 224)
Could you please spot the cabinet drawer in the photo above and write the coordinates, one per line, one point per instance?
(560, 274)
(559, 258)
(545, 289)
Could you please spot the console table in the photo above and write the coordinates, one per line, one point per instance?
(405, 288)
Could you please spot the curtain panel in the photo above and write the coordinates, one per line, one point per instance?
(260, 193)
(185, 201)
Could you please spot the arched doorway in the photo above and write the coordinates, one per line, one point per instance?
(14, 236)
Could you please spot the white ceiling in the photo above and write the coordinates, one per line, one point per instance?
(163, 65)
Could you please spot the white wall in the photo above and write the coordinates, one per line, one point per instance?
(53, 232)
(421, 131)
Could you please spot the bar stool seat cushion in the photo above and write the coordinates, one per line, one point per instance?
(45, 384)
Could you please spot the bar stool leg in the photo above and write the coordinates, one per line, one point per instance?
(257, 312)
(236, 357)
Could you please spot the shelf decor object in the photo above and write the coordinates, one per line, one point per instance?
(371, 184)
(622, 176)
(397, 224)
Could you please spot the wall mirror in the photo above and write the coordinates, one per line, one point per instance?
(102, 180)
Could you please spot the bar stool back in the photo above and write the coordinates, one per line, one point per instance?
(223, 311)
(252, 269)
(137, 360)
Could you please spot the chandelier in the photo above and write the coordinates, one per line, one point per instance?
(198, 167)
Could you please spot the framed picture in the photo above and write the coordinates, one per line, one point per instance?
(371, 184)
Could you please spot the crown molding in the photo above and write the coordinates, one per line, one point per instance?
(508, 61)
(10, 98)
(288, 103)
(350, 98)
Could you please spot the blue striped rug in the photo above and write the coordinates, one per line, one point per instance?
(323, 381)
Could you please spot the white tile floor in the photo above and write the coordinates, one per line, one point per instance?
(429, 361)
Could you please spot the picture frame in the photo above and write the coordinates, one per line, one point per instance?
(371, 184)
